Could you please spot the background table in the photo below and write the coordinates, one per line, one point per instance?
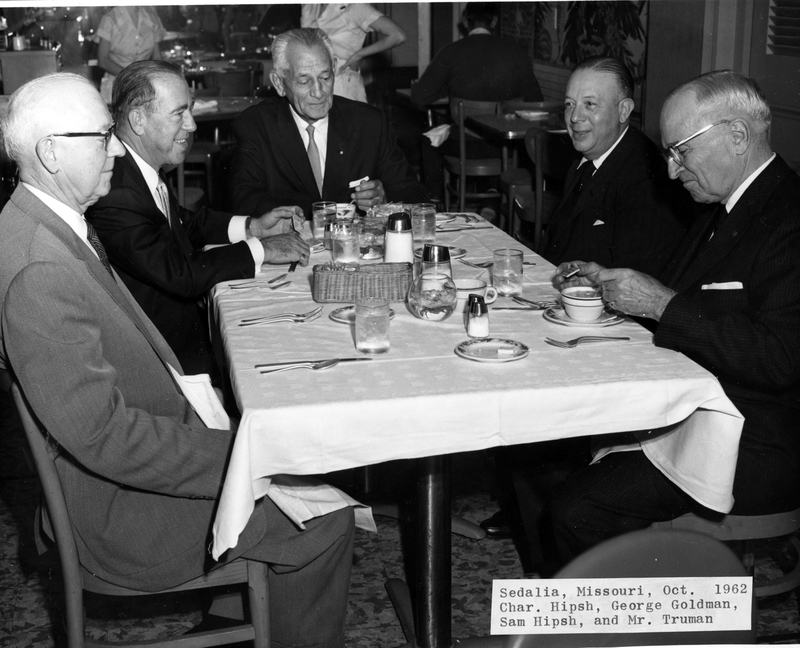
(509, 128)
(422, 401)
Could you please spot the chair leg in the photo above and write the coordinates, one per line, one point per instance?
(446, 190)
(258, 596)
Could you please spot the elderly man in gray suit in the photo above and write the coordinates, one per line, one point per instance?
(140, 470)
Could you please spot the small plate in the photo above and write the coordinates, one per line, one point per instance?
(530, 115)
(492, 350)
(445, 218)
(455, 253)
(347, 315)
(559, 316)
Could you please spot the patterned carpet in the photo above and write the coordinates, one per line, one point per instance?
(31, 593)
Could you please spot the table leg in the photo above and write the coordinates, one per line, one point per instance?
(433, 554)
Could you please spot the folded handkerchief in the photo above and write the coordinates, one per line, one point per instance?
(598, 222)
(438, 135)
(726, 285)
(205, 106)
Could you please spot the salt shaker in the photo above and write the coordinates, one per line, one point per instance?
(399, 241)
(477, 317)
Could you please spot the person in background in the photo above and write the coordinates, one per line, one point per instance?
(729, 299)
(347, 25)
(619, 207)
(309, 145)
(480, 67)
(125, 35)
(141, 472)
(157, 246)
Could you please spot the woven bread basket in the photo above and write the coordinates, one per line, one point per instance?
(346, 282)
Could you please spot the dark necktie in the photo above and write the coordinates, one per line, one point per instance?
(585, 172)
(94, 241)
(313, 157)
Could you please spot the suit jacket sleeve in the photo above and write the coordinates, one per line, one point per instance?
(139, 242)
(57, 337)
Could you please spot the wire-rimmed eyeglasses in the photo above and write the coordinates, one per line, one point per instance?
(106, 135)
(672, 152)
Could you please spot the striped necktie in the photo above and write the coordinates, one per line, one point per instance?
(94, 241)
(161, 189)
(313, 157)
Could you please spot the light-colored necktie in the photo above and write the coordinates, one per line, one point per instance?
(161, 189)
(313, 157)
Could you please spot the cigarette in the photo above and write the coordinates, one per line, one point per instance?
(355, 183)
(572, 273)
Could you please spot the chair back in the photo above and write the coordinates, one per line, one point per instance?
(44, 461)
(552, 155)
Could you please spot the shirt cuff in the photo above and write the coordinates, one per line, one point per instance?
(257, 250)
(236, 229)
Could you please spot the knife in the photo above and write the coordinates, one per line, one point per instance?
(283, 364)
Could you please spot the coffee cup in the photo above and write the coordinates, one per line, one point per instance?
(582, 303)
(467, 287)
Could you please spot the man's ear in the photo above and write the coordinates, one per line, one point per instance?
(136, 121)
(47, 155)
(625, 110)
(740, 133)
(277, 83)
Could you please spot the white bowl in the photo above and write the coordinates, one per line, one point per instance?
(582, 304)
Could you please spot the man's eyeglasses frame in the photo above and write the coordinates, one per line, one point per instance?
(672, 152)
(106, 135)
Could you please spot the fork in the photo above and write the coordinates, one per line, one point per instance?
(482, 265)
(251, 286)
(277, 320)
(569, 344)
(281, 316)
(315, 366)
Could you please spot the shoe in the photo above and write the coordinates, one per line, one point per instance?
(498, 526)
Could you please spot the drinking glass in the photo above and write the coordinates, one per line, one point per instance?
(372, 325)
(322, 212)
(507, 271)
(432, 297)
(345, 246)
(436, 260)
(423, 222)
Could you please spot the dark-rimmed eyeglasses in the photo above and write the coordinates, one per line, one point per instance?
(106, 135)
(672, 152)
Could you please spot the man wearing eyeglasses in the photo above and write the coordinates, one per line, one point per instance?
(729, 299)
(157, 246)
(141, 472)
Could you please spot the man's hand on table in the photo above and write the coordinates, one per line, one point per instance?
(285, 248)
(280, 220)
(368, 194)
(624, 290)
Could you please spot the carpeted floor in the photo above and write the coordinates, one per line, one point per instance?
(30, 585)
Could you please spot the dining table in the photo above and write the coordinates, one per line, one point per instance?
(429, 397)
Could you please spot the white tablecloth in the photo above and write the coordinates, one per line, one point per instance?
(421, 399)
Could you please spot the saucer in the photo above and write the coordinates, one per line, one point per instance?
(492, 350)
(558, 316)
(531, 115)
(455, 253)
(347, 315)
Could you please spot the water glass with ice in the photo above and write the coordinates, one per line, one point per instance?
(507, 271)
(321, 212)
(372, 325)
(345, 246)
(423, 222)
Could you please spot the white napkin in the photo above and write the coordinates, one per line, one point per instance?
(438, 135)
(205, 106)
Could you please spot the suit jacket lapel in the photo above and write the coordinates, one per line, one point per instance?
(290, 144)
(337, 153)
(708, 253)
(41, 213)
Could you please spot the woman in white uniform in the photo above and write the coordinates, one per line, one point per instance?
(347, 25)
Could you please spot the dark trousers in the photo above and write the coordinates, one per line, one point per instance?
(622, 492)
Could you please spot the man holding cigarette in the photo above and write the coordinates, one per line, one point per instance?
(309, 146)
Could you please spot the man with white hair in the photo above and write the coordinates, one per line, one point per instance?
(140, 470)
(729, 299)
(308, 145)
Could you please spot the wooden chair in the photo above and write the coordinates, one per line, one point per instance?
(641, 554)
(77, 578)
(743, 529)
(199, 162)
(552, 155)
(458, 169)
